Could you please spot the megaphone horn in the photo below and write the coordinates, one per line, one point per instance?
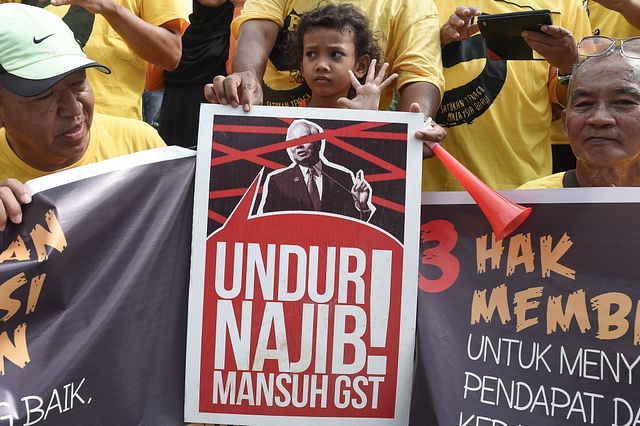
(503, 215)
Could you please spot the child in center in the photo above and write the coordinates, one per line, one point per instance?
(336, 55)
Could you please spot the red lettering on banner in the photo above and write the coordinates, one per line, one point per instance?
(444, 233)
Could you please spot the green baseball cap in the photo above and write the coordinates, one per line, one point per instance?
(37, 50)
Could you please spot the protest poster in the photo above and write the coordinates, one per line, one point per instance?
(301, 312)
(93, 294)
(540, 328)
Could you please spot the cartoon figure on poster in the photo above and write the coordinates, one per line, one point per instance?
(312, 183)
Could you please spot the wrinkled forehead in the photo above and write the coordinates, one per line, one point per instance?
(610, 70)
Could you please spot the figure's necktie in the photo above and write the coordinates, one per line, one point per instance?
(313, 189)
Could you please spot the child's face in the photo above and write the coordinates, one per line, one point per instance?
(327, 56)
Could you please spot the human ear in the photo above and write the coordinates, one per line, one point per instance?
(362, 66)
(564, 124)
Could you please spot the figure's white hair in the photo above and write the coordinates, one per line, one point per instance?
(302, 127)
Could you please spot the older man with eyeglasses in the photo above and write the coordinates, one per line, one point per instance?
(602, 119)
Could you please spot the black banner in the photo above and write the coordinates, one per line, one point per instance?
(541, 328)
(93, 300)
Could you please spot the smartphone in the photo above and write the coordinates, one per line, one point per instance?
(501, 33)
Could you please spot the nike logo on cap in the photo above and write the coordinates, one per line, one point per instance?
(40, 40)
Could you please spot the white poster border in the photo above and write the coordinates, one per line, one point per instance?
(410, 267)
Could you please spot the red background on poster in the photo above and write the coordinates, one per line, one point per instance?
(302, 231)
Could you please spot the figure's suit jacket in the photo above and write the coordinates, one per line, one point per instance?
(287, 191)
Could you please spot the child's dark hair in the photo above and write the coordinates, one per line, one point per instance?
(343, 17)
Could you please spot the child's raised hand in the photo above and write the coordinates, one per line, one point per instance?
(368, 94)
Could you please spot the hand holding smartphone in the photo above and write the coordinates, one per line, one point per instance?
(502, 33)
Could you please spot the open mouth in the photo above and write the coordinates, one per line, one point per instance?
(74, 132)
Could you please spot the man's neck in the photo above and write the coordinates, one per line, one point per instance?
(627, 174)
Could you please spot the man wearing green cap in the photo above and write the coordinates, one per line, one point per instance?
(47, 123)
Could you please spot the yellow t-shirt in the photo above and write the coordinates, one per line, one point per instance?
(609, 23)
(110, 137)
(410, 43)
(119, 93)
(551, 181)
(497, 113)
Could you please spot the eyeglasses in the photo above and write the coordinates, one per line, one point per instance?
(601, 45)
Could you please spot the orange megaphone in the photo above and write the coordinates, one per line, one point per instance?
(504, 215)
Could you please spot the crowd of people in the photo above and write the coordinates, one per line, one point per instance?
(500, 118)
(71, 89)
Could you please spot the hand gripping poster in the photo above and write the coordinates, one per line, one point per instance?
(540, 328)
(304, 267)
